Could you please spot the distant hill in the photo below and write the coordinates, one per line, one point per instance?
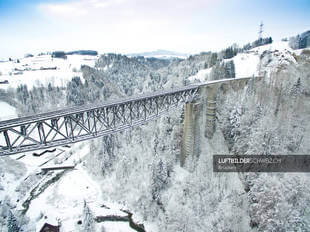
(300, 41)
(164, 54)
(83, 52)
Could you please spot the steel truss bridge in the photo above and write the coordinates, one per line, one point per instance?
(85, 122)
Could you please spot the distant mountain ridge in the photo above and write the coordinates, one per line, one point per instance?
(160, 54)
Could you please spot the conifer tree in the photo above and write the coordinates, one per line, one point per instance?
(12, 223)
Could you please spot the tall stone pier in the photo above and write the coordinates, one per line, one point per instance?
(191, 130)
(200, 116)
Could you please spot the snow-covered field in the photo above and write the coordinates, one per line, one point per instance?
(201, 75)
(246, 65)
(42, 70)
(7, 111)
(277, 45)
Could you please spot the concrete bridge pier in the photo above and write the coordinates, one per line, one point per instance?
(191, 130)
(210, 110)
(199, 117)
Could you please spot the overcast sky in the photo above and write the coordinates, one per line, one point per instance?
(125, 26)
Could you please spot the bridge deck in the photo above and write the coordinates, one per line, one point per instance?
(88, 107)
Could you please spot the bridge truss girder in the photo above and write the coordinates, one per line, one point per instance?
(83, 123)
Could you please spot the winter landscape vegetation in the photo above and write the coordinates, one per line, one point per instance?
(140, 179)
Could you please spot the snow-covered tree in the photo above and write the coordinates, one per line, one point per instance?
(88, 219)
(12, 223)
(161, 173)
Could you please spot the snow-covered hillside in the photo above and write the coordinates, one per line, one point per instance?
(202, 75)
(261, 60)
(264, 60)
(139, 169)
(56, 197)
(144, 172)
(42, 70)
